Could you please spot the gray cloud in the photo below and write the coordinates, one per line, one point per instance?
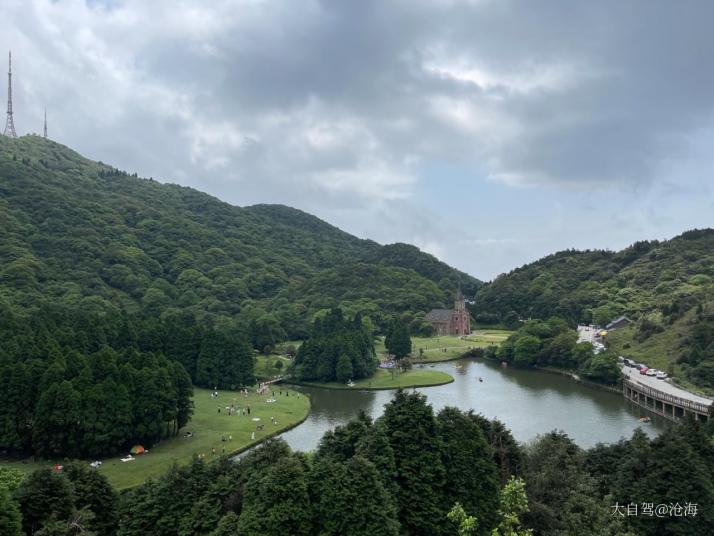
(338, 107)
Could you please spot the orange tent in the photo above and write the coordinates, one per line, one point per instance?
(137, 449)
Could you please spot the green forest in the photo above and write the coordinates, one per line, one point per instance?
(666, 288)
(338, 349)
(117, 294)
(411, 471)
(553, 343)
(77, 233)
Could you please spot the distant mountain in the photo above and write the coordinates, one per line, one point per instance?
(78, 233)
(666, 288)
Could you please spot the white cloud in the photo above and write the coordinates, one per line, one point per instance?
(338, 108)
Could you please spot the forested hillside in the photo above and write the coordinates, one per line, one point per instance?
(666, 288)
(75, 232)
(118, 293)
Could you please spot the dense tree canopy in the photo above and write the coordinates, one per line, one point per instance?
(409, 472)
(113, 287)
(397, 340)
(73, 231)
(553, 343)
(666, 288)
(89, 405)
(339, 349)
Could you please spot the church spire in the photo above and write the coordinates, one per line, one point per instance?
(459, 300)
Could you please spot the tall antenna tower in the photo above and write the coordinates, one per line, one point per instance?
(45, 134)
(10, 124)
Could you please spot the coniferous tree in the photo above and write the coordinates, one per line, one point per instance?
(341, 443)
(398, 342)
(470, 471)
(412, 431)
(225, 361)
(351, 499)
(276, 501)
(227, 526)
(343, 368)
(10, 519)
(44, 496)
(507, 453)
(336, 347)
(375, 447)
(93, 491)
(561, 493)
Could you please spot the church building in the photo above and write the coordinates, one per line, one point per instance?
(454, 321)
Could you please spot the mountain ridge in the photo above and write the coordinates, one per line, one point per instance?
(68, 220)
(665, 287)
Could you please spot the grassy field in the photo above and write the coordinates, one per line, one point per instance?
(208, 427)
(448, 347)
(265, 366)
(433, 350)
(385, 379)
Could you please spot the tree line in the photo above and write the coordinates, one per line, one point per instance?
(81, 234)
(411, 471)
(339, 349)
(90, 382)
(75, 405)
(553, 343)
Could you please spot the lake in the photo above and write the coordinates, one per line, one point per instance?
(528, 402)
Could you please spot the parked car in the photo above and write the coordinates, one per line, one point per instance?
(652, 372)
(643, 370)
(661, 375)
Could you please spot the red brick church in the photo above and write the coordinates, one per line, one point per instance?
(454, 321)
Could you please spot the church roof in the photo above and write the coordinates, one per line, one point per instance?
(439, 315)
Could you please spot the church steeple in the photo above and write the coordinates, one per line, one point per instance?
(459, 301)
(460, 318)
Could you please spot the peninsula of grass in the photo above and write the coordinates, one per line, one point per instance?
(449, 347)
(388, 379)
(208, 427)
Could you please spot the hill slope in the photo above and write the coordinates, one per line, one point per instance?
(666, 287)
(82, 234)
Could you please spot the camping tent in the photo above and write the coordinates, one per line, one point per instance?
(137, 449)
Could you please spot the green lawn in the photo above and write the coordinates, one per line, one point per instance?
(385, 379)
(455, 346)
(265, 366)
(208, 426)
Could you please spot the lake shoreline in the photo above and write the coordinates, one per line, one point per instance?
(567, 373)
(338, 387)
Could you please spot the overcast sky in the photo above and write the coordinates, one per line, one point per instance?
(489, 133)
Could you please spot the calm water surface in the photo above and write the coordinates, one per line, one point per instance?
(528, 402)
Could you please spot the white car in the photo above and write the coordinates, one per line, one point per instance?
(652, 372)
(661, 375)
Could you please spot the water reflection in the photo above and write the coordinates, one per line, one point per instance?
(529, 403)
